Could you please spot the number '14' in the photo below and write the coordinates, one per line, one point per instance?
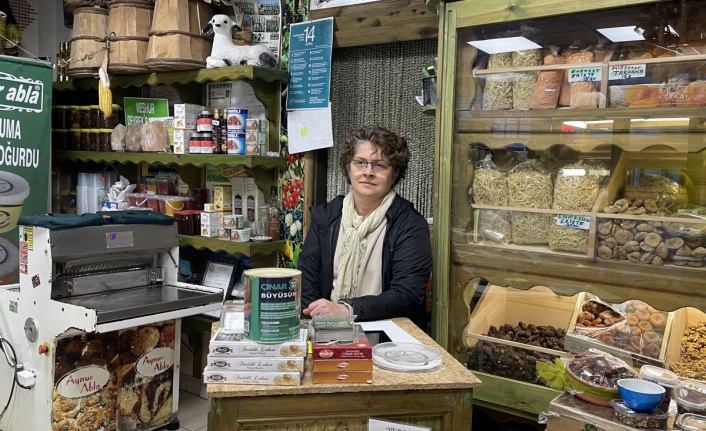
(309, 32)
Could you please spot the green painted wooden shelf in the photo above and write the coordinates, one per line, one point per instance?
(197, 160)
(232, 247)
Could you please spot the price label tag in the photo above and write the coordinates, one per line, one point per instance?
(585, 74)
(380, 425)
(573, 221)
(626, 71)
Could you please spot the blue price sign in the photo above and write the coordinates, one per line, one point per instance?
(310, 46)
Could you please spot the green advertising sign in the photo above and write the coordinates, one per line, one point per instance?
(142, 110)
(25, 127)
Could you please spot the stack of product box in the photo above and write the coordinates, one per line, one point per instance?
(233, 359)
(255, 136)
(185, 116)
(235, 211)
(340, 353)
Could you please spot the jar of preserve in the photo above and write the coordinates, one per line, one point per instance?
(117, 117)
(104, 139)
(204, 122)
(60, 117)
(207, 145)
(196, 221)
(74, 117)
(185, 225)
(194, 143)
(74, 139)
(93, 115)
(92, 140)
(84, 113)
(84, 139)
(200, 198)
(60, 139)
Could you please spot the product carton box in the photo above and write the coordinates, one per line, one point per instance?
(342, 365)
(238, 194)
(342, 376)
(252, 201)
(223, 197)
(234, 344)
(252, 124)
(210, 222)
(273, 378)
(356, 350)
(290, 364)
(185, 115)
(181, 140)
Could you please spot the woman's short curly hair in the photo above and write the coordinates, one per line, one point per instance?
(390, 144)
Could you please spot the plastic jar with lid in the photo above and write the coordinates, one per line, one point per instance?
(84, 139)
(184, 223)
(84, 112)
(165, 186)
(117, 117)
(207, 146)
(74, 117)
(60, 117)
(200, 198)
(690, 422)
(691, 397)
(104, 140)
(204, 122)
(194, 143)
(60, 139)
(74, 139)
(92, 139)
(93, 115)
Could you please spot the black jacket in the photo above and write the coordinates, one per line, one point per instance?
(406, 262)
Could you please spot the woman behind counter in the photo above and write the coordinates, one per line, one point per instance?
(368, 253)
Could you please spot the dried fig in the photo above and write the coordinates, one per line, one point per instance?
(645, 227)
(619, 253)
(662, 251)
(650, 205)
(634, 256)
(664, 212)
(637, 202)
(622, 236)
(695, 264)
(647, 257)
(684, 250)
(605, 252)
(652, 239)
(628, 224)
(640, 236)
(641, 211)
(622, 205)
(645, 247)
(674, 243)
(693, 244)
(632, 246)
(605, 228)
(631, 211)
(610, 242)
(657, 261)
(699, 252)
(610, 209)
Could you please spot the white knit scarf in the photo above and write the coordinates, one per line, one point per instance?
(352, 247)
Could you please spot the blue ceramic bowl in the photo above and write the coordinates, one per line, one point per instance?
(640, 395)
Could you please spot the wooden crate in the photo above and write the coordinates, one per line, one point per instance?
(506, 305)
(577, 342)
(683, 317)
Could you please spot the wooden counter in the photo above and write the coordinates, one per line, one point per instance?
(439, 399)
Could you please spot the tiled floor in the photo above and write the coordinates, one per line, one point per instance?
(193, 411)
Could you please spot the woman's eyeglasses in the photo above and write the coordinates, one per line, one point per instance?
(362, 165)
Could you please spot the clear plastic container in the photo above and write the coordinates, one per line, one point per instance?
(652, 419)
(665, 378)
(691, 397)
(138, 200)
(690, 422)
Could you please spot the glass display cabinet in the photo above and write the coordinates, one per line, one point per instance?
(569, 171)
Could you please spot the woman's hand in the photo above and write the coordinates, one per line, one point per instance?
(324, 307)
